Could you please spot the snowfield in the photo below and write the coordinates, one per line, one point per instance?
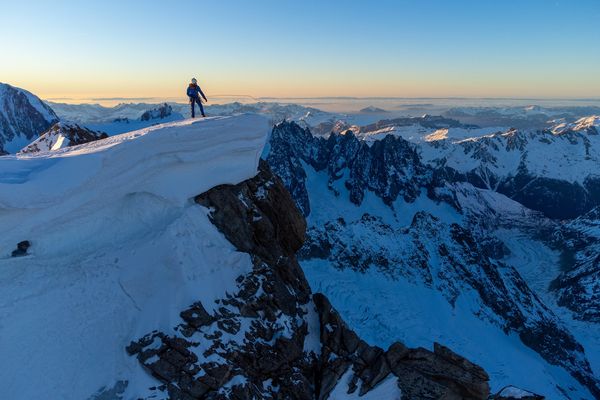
(115, 238)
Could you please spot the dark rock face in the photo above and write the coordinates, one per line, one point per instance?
(535, 193)
(73, 135)
(22, 115)
(273, 339)
(390, 168)
(161, 112)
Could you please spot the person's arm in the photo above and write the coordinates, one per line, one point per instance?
(202, 94)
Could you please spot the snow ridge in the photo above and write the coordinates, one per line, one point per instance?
(114, 240)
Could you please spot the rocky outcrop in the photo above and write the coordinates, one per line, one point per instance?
(161, 112)
(21, 249)
(274, 339)
(421, 373)
(23, 116)
(62, 135)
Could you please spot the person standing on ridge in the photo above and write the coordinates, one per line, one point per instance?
(194, 92)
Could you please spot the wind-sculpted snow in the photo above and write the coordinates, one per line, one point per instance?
(380, 210)
(117, 250)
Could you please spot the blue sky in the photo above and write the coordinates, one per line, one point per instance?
(405, 48)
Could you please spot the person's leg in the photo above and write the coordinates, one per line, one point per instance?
(201, 107)
(192, 104)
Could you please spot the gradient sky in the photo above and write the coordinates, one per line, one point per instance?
(403, 48)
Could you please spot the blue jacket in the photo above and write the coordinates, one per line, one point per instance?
(194, 91)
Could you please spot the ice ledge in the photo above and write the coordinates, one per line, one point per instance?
(173, 162)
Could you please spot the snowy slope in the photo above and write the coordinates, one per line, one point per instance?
(114, 240)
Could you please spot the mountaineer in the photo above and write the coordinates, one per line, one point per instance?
(194, 92)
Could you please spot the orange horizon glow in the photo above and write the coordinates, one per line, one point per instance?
(428, 49)
(62, 90)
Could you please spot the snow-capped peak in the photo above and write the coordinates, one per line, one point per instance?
(41, 107)
(23, 117)
(62, 134)
(161, 112)
(589, 124)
